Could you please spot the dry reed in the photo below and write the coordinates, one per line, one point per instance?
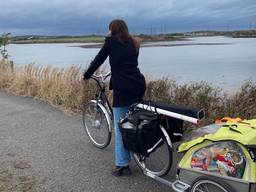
(60, 87)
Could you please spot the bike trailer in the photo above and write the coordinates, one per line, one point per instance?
(224, 157)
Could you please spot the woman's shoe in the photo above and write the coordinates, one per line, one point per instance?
(121, 170)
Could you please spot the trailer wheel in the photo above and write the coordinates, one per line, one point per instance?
(206, 184)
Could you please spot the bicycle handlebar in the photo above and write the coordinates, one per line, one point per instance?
(101, 76)
(100, 79)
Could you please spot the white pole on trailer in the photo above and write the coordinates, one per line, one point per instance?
(168, 113)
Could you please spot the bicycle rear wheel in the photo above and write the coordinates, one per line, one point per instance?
(97, 124)
(160, 160)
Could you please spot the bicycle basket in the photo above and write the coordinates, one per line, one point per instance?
(140, 130)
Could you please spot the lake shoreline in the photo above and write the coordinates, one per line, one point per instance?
(143, 38)
(153, 45)
(89, 39)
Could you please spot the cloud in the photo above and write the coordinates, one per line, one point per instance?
(86, 16)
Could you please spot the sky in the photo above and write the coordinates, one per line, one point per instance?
(79, 17)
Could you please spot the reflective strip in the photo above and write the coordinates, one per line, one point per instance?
(151, 149)
(169, 113)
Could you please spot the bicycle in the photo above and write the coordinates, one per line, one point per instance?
(97, 117)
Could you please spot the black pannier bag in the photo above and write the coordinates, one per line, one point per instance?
(140, 131)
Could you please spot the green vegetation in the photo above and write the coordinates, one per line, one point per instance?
(87, 39)
(234, 34)
(162, 37)
(4, 41)
(28, 39)
(64, 88)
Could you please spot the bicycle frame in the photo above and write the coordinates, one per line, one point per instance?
(101, 96)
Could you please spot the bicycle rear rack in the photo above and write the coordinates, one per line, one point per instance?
(177, 185)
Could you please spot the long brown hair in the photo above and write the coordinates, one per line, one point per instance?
(120, 30)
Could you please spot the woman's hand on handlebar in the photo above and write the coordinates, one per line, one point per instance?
(101, 76)
(85, 77)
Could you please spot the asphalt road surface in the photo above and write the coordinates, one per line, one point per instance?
(42, 149)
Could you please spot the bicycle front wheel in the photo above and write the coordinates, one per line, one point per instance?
(97, 124)
(160, 160)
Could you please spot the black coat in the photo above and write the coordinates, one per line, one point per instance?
(127, 82)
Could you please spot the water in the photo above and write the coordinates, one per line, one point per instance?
(227, 65)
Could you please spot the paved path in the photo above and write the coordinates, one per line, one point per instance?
(42, 149)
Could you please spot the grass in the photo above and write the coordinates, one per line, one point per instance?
(65, 89)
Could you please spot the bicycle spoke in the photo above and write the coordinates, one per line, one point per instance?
(206, 188)
(199, 190)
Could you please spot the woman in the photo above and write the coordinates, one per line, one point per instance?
(127, 82)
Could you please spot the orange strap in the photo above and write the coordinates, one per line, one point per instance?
(228, 120)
